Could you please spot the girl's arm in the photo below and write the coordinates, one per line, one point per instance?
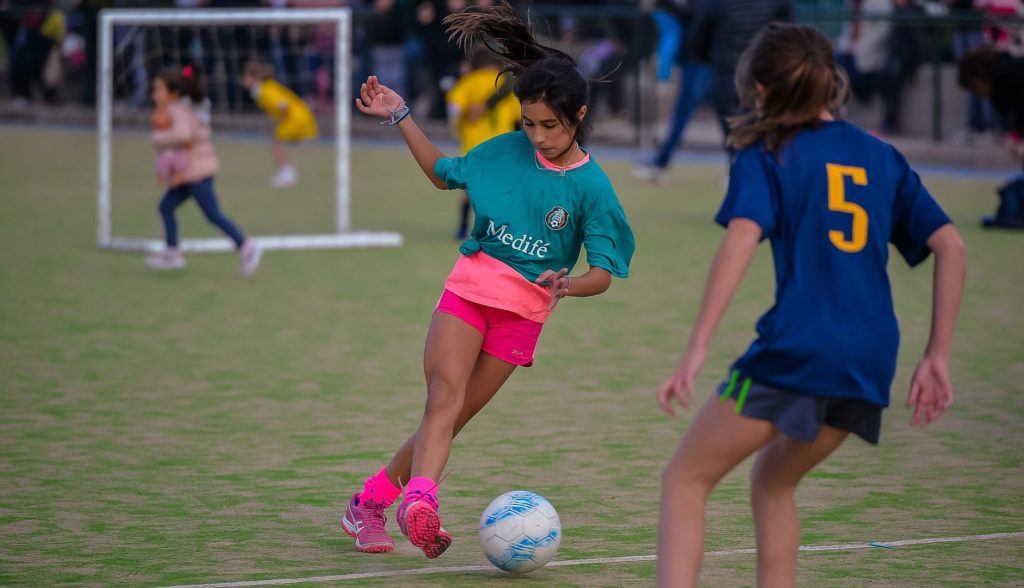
(595, 281)
(376, 99)
(931, 392)
(180, 133)
(425, 153)
(727, 270)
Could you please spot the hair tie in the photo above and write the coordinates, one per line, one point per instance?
(187, 71)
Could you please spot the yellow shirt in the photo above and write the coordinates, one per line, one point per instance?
(55, 26)
(475, 88)
(297, 122)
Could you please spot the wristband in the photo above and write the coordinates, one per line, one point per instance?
(397, 115)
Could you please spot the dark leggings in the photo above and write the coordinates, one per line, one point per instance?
(203, 192)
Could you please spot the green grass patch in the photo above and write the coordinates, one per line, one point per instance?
(197, 427)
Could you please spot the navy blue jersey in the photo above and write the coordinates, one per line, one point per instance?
(830, 201)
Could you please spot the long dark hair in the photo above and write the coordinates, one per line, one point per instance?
(184, 81)
(541, 73)
(797, 70)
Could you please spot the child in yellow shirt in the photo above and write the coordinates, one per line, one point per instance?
(295, 119)
(481, 106)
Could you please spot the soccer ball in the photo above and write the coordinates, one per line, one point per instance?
(520, 531)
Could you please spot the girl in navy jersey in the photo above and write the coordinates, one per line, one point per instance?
(830, 199)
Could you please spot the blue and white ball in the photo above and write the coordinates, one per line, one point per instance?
(520, 531)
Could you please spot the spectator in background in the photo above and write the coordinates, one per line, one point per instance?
(281, 41)
(232, 49)
(442, 57)
(412, 50)
(604, 59)
(998, 35)
(37, 30)
(722, 29)
(967, 38)
(387, 38)
(317, 71)
(88, 14)
(669, 16)
(881, 54)
(695, 82)
(1000, 78)
(905, 56)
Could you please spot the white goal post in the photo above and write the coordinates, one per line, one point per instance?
(341, 18)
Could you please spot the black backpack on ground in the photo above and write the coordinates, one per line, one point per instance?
(1010, 214)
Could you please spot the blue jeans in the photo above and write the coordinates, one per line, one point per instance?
(203, 192)
(695, 84)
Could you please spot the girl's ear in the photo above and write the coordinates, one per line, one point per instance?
(581, 113)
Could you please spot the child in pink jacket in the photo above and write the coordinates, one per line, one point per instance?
(182, 94)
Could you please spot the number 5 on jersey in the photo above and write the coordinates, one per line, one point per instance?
(837, 201)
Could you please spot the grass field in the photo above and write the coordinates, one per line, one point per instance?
(190, 427)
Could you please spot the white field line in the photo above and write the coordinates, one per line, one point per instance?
(598, 560)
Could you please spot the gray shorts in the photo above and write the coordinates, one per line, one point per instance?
(800, 416)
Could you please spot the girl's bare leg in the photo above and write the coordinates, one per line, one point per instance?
(778, 469)
(489, 374)
(716, 442)
(279, 153)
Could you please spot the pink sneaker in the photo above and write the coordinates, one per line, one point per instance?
(250, 254)
(420, 522)
(166, 259)
(365, 522)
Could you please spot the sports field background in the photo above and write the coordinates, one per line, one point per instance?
(190, 427)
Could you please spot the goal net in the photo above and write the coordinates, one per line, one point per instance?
(308, 51)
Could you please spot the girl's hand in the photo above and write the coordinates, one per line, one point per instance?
(680, 384)
(931, 392)
(376, 99)
(558, 283)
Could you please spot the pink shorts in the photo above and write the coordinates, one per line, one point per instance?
(507, 336)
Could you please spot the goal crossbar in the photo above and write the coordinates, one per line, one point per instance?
(342, 20)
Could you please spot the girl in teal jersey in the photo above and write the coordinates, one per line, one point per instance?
(831, 199)
(538, 198)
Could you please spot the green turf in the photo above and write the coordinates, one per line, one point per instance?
(161, 428)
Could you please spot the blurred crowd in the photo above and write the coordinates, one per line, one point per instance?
(49, 48)
(881, 47)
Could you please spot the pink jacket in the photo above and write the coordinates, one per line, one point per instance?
(189, 129)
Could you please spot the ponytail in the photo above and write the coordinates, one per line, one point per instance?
(786, 78)
(542, 73)
(501, 31)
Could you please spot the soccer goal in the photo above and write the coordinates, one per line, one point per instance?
(309, 50)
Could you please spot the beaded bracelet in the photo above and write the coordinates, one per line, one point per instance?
(397, 115)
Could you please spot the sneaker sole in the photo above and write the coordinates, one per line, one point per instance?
(423, 527)
(372, 547)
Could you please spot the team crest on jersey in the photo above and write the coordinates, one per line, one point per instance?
(557, 218)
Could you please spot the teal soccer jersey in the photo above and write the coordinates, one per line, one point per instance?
(535, 219)
(831, 201)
